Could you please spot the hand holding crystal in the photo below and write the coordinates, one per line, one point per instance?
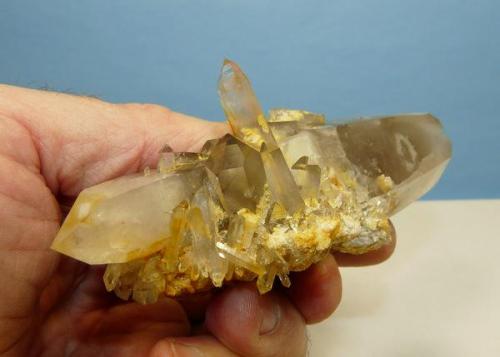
(55, 145)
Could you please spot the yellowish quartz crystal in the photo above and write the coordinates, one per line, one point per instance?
(275, 197)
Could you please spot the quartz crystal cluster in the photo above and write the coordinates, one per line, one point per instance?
(276, 196)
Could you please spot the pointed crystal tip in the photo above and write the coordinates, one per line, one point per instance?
(229, 72)
(230, 67)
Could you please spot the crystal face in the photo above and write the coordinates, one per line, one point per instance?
(276, 196)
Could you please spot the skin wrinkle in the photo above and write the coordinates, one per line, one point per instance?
(27, 250)
(147, 148)
(66, 176)
(18, 267)
(13, 188)
(24, 242)
(17, 119)
(11, 273)
(18, 340)
(22, 328)
(19, 205)
(72, 150)
(23, 139)
(119, 163)
(32, 268)
(72, 166)
(51, 221)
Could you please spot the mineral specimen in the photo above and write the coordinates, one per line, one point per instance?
(276, 196)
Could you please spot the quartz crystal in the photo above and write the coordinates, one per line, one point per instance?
(276, 196)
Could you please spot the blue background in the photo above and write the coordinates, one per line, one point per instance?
(344, 58)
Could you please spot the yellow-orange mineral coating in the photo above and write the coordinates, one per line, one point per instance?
(275, 197)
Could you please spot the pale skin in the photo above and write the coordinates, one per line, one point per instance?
(52, 146)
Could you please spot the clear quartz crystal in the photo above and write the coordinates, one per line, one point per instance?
(276, 196)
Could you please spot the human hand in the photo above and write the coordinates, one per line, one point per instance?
(52, 146)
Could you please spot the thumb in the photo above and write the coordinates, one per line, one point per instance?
(81, 141)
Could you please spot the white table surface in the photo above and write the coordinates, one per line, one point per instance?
(439, 294)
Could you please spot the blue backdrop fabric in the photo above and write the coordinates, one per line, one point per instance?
(344, 58)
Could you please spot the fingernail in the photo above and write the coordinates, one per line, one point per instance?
(271, 314)
(183, 350)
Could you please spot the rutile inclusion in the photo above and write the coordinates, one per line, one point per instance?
(276, 196)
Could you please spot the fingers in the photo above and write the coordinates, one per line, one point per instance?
(81, 141)
(251, 324)
(316, 292)
(370, 258)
